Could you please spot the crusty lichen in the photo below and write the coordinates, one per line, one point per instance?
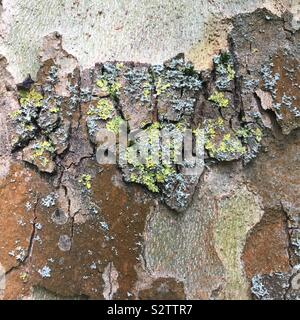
(114, 124)
(85, 181)
(103, 110)
(224, 69)
(31, 98)
(43, 152)
(219, 99)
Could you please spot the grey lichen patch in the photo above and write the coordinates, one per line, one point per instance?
(270, 286)
(177, 87)
(38, 120)
(287, 89)
(45, 272)
(224, 70)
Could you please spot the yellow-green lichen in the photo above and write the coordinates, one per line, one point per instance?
(161, 87)
(31, 97)
(119, 66)
(230, 72)
(15, 114)
(43, 151)
(219, 99)
(104, 109)
(250, 132)
(149, 172)
(112, 89)
(151, 176)
(54, 110)
(220, 143)
(114, 124)
(85, 180)
(147, 89)
(24, 277)
(41, 148)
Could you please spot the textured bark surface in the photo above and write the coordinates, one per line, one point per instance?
(73, 229)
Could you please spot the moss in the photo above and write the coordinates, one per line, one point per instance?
(85, 180)
(114, 124)
(219, 99)
(103, 110)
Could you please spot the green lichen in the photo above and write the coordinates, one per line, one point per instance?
(119, 66)
(220, 143)
(114, 124)
(147, 88)
(250, 132)
(54, 110)
(103, 110)
(15, 114)
(151, 175)
(230, 72)
(112, 89)
(225, 72)
(219, 99)
(29, 127)
(32, 98)
(43, 151)
(40, 148)
(150, 172)
(161, 87)
(85, 180)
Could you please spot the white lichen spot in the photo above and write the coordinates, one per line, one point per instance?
(49, 200)
(45, 272)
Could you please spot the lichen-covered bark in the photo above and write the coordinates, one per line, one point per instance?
(71, 228)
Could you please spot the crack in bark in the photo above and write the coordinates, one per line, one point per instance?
(31, 242)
